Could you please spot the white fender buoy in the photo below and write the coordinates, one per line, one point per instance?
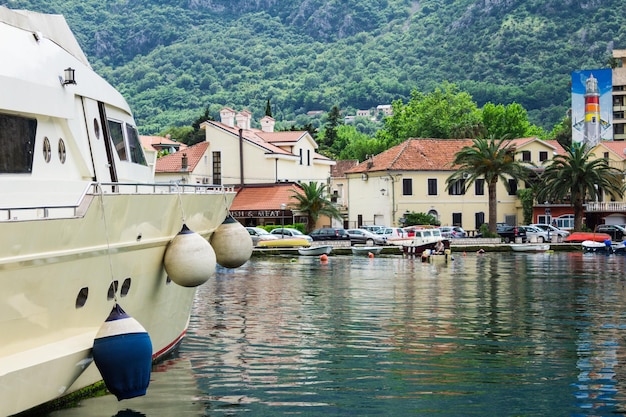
(189, 259)
(122, 351)
(232, 243)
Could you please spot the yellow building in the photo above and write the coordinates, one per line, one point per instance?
(411, 177)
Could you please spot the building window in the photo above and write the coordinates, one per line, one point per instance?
(457, 219)
(479, 187)
(407, 186)
(432, 186)
(512, 187)
(300, 156)
(606, 155)
(618, 129)
(479, 219)
(308, 157)
(457, 187)
(543, 156)
(618, 115)
(217, 168)
(526, 156)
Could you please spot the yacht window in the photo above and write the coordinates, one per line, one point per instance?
(136, 152)
(117, 136)
(62, 151)
(17, 141)
(47, 150)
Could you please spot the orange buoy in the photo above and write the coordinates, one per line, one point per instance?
(324, 258)
(370, 255)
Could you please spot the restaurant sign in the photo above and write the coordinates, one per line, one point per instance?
(257, 213)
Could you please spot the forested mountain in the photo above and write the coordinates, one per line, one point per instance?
(172, 59)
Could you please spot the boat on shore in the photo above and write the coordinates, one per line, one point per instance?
(366, 250)
(316, 250)
(84, 227)
(530, 247)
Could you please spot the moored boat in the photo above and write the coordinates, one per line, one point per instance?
(83, 224)
(316, 250)
(530, 247)
(366, 250)
(595, 246)
(287, 242)
(425, 239)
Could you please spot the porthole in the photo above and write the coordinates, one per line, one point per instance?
(125, 287)
(112, 290)
(62, 151)
(96, 128)
(47, 150)
(81, 298)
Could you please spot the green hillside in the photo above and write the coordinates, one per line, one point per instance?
(172, 59)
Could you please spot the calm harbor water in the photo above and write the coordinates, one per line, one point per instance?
(483, 335)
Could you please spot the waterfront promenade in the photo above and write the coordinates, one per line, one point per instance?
(456, 245)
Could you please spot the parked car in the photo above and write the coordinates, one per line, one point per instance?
(329, 233)
(452, 231)
(258, 235)
(561, 234)
(287, 231)
(393, 233)
(374, 228)
(362, 236)
(535, 234)
(616, 231)
(510, 233)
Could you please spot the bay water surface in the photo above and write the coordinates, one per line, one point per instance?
(498, 334)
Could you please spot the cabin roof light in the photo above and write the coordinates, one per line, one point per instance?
(69, 77)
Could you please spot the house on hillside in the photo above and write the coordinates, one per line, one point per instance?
(411, 177)
(261, 159)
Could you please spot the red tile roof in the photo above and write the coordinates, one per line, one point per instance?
(264, 197)
(426, 155)
(266, 140)
(618, 147)
(341, 167)
(173, 162)
(149, 142)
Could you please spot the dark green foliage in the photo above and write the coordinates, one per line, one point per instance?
(171, 58)
(411, 219)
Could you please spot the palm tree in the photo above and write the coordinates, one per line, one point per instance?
(312, 201)
(489, 159)
(578, 177)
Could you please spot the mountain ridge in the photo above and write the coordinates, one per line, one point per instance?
(172, 59)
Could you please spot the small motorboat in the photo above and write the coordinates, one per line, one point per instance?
(594, 246)
(287, 242)
(530, 247)
(316, 250)
(366, 250)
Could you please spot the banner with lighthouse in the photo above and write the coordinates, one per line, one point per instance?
(592, 106)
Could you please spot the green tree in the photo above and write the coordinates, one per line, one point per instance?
(268, 108)
(506, 121)
(329, 135)
(489, 159)
(445, 113)
(578, 176)
(312, 201)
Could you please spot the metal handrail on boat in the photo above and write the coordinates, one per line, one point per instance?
(94, 189)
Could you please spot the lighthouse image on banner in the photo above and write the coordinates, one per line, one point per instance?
(592, 107)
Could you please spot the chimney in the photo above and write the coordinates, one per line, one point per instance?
(227, 116)
(243, 119)
(267, 124)
(184, 163)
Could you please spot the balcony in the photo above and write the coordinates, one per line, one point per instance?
(605, 207)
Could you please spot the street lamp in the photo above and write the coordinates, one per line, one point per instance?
(283, 206)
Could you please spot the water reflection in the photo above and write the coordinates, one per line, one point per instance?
(495, 334)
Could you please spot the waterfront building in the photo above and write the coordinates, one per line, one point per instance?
(411, 177)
